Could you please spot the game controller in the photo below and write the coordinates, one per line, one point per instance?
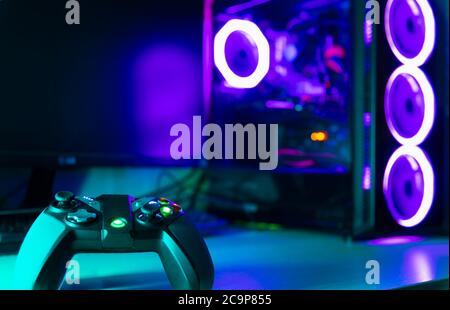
(112, 224)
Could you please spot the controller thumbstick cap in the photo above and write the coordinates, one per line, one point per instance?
(63, 196)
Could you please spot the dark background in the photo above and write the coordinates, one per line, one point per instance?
(107, 90)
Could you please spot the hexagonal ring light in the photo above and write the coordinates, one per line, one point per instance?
(252, 31)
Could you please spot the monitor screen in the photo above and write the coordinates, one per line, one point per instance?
(102, 84)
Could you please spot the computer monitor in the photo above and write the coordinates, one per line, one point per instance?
(105, 91)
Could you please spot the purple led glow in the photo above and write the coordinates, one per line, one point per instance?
(408, 185)
(422, 262)
(395, 240)
(367, 119)
(290, 52)
(291, 152)
(368, 31)
(207, 56)
(281, 70)
(284, 105)
(367, 178)
(301, 164)
(254, 37)
(411, 30)
(166, 90)
(245, 6)
(280, 46)
(409, 105)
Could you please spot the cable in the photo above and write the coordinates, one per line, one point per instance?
(174, 185)
(197, 189)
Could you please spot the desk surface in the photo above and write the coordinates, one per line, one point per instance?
(275, 260)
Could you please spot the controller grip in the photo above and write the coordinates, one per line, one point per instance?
(185, 257)
(38, 264)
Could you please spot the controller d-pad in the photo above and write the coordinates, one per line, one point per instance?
(81, 216)
(143, 217)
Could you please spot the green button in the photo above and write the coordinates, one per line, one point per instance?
(118, 222)
(166, 211)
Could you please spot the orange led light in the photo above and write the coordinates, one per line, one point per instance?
(319, 136)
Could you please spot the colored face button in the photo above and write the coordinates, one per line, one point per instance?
(166, 211)
(118, 222)
(176, 208)
(150, 207)
(81, 216)
(163, 201)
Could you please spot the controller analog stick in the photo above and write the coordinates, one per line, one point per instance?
(65, 200)
(63, 196)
